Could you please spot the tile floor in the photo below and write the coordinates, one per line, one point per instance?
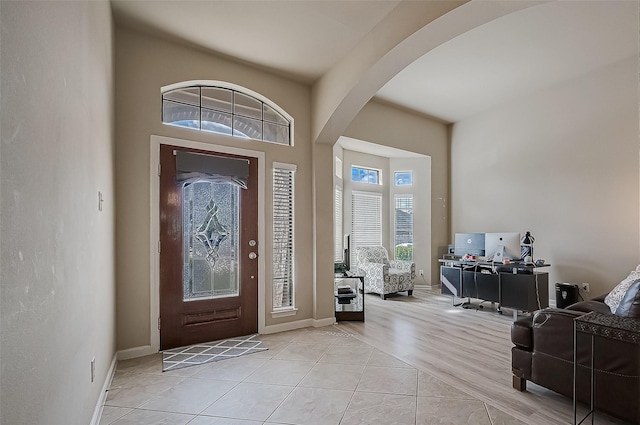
(308, 377)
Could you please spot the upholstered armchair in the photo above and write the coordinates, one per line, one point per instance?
(381, 275)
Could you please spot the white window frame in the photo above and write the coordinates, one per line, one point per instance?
(377, 171)
(395, 222)
(395, 180)
(338, 168)
(236, 89)
(278, 228)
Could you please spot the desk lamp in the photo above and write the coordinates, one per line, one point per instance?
(526, 251)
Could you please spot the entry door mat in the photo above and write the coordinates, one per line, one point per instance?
(197, 354)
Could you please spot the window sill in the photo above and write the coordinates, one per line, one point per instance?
(284, 312)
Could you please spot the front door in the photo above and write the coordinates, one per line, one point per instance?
(208, 251)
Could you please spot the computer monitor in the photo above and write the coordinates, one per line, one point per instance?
(498, 246)
(469, 243)
(345, 264)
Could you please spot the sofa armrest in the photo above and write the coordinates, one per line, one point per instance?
(553, 332)
(374, 269)
(522, 333)
(600, 298)
(402, 265)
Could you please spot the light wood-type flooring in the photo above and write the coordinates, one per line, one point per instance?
(467, 349)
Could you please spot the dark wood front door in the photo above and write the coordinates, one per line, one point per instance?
(208, 254)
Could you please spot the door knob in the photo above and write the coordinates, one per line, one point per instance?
(253, 256)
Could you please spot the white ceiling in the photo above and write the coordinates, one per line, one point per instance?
(375, 149)
(299, 38)
(516, 55)
(511, 56)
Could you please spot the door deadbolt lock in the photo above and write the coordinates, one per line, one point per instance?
(252, 242)
(252, 256)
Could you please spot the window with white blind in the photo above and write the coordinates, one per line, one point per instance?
(337, 220)
(366, 220)
(283, 236)
(403, 227)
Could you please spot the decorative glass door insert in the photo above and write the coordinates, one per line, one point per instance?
(211, 228)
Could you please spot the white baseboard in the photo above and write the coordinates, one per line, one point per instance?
(306, 323)
(324, 322)
(97, 412)
(132, 353)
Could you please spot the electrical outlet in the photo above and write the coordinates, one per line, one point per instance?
(584, 287)
(93, 369)
(422, 273)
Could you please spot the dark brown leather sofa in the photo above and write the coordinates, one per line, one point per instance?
(543, 354)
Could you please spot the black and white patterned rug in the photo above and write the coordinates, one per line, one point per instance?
(177, 358)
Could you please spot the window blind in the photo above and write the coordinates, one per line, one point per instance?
(337, 219)
(366, 220)
(283, 240)
(193, 165)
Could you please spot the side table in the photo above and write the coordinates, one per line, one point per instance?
(604, 326)
(349, 307)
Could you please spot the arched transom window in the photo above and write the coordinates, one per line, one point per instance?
(226, 109)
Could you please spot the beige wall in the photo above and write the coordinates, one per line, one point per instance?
(563, 164)
(322, 215)
(145, 64)
(57, 249)
(382, 124)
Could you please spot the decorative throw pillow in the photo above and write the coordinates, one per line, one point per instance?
(616, 295)
(630, 304)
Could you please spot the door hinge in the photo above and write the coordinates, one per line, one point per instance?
(159, 248)
(159, 168)
(158, 323)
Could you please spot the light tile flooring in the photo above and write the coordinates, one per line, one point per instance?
(308, 377)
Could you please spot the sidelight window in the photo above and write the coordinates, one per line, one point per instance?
(283, 236)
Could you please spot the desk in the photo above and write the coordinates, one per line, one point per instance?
(516, 285)
(605, 326)
(349, 308)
